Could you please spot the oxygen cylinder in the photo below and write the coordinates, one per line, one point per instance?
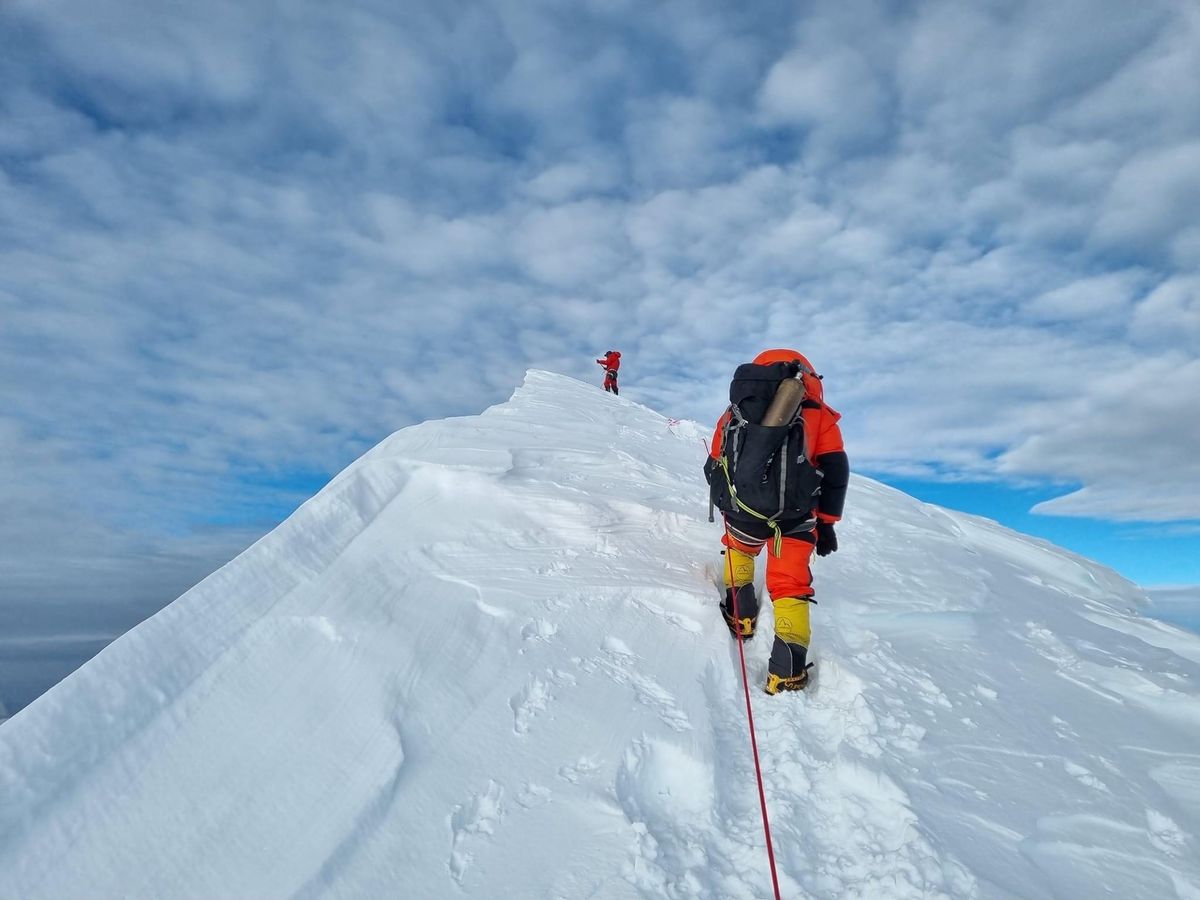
(787, 400)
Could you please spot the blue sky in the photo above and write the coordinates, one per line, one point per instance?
(241, 241)
(1149, 554)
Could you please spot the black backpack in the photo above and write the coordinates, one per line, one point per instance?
(764, 471)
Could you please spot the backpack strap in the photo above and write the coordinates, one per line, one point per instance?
(797, 422)
(727, 463)
(723, 465)
(807, 403)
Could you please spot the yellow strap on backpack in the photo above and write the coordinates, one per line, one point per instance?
(777, 540)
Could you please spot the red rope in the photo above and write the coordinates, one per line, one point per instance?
(762, 797)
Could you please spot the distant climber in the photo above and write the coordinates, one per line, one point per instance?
(611, 362)
(778, 471)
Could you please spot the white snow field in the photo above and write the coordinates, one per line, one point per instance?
(486, 661)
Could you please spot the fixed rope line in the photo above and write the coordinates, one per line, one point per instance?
(762, 797)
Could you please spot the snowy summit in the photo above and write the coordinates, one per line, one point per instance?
(487, 661)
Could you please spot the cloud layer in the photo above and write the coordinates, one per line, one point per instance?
(241, 241)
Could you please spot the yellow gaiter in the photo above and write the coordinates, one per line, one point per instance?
(742, 565)
(791, 620)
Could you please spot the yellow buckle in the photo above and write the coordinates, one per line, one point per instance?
(777, 683)
(746, 624)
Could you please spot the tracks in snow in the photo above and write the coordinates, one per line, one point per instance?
(683, 783)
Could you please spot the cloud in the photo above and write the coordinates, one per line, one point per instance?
(243, 241)
(830, 91)
(1152, 202)
(1171, 310)
(572, 246)
(1144, 474)
(1094, 297)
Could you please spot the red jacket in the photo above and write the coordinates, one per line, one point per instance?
(612, 360)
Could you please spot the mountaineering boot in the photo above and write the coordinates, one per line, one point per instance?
(739, 576)
(788, 667)
(747, 609)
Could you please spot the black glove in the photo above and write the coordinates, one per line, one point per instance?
(826, 539)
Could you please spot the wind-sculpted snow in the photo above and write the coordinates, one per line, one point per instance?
(486, 661)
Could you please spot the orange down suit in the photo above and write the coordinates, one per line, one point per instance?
(788, 574)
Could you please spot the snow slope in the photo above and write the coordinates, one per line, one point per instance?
(485, 661)
(1178, 605)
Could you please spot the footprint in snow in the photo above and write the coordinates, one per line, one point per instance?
(581, 769)
(538, 629)
(680, 849)
(528, 702)
(1165, 835)
(843, 825)
(476, 818)
(533, 795)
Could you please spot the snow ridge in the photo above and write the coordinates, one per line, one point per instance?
(486, 661)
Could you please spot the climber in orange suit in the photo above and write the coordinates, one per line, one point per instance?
(795, 528)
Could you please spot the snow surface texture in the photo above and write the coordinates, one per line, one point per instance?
(486, 661)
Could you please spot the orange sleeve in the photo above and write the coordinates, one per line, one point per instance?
(829, 453)
(829, 433)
